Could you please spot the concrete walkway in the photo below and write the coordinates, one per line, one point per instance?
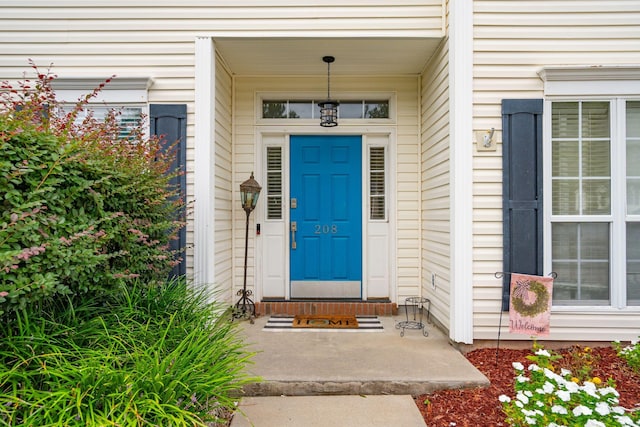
(341, 378)
(328, 411)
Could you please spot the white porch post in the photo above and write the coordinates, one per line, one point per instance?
(461, 158)
(204, 175)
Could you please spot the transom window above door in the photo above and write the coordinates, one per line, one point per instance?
(309, 109)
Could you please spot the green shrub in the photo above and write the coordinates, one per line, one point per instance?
(630, 353)
(158, 356)
(82, 210)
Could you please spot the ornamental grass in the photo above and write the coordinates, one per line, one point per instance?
(160, 356)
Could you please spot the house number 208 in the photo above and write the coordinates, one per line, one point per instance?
(326, 229)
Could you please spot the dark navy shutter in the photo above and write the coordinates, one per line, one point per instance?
(522, 189)
(170, 122)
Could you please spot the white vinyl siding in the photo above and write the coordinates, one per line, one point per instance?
(513, 41)
(435, 186)
(407, 180)
(144, 29)
(224, 200)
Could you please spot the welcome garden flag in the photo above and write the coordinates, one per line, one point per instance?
(530, 304)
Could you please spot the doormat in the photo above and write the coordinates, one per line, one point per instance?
(325, 321)
(286, 324)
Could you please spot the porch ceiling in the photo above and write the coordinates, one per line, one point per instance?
(303, 56)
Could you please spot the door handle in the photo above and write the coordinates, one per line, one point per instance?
(294, 228)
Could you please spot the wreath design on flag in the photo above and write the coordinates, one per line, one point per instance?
(520, 297)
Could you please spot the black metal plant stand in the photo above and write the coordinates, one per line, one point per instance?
(416, 305)
(245, 307)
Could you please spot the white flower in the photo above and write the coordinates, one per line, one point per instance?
(625, 421)
(564, 395)
(543, 352)
(504, 398)
(539, 404)
(531, 421)
(594, 423)
(552, 375)
(522, 379)
(522, 398)
(548, 387)
(528, 393)
(602, 408)
(564, 372)
(589, 385)
(581, 410)
(618, 410)
(534, 367)
(518, 366)
(609, 390)
(571, 386)
(590, 388)
(557, 409)
(519, 404)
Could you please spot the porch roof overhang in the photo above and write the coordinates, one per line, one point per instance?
(255, 55)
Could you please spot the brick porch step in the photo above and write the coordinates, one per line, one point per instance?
(358, 308)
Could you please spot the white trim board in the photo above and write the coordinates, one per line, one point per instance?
(461, 147)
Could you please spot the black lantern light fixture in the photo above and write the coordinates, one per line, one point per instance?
(328, 108)
(249, 192)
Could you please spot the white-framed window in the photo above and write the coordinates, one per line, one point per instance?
(309, 109)
(127, 95)
(592, 191)
(128, 117)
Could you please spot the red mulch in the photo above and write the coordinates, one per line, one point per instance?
(480, 406)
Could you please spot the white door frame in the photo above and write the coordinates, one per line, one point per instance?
(272, 259)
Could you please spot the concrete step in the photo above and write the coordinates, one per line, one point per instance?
(335, 411)
(321, 363)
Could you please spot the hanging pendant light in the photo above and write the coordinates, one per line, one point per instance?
(328, 108)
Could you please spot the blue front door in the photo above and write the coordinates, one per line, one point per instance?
(326, 217)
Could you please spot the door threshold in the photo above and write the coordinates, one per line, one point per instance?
(373, 300)
(351, 307)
